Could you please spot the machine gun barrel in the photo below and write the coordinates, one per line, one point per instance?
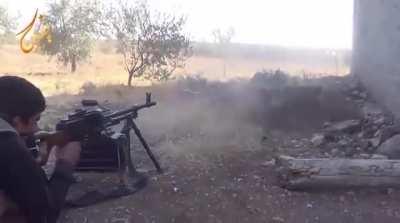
(133, 110)
(119, 116)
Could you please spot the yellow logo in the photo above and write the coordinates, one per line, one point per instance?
(42, 31)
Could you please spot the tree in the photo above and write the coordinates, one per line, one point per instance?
(74, 24)
(7, 24)
(223, 37)
(152, 47)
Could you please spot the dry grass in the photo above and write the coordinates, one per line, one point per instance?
(105, 69)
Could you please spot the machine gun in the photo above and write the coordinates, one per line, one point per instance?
(103, 148)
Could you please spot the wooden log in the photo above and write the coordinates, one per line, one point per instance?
(337, 173)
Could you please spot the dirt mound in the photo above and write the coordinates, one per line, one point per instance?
(300, 104)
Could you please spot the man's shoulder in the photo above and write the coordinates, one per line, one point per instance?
(8, 135)
(9, 143)
(6, 128)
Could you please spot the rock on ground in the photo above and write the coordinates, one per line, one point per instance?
(391, 148)
(349, 126)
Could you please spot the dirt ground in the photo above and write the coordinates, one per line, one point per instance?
(216, 142)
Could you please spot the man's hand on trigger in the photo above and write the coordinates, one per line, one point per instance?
(44, 148)
(43, 154)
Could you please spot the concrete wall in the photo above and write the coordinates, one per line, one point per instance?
(376, 49)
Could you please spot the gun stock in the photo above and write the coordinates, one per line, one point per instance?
(58, 138)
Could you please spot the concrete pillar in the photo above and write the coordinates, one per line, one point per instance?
(376, 49)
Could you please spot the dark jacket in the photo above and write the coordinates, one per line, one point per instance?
(23, 180)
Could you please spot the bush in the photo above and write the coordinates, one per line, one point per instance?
(271, 79)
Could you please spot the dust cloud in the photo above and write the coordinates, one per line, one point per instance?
(194, 114)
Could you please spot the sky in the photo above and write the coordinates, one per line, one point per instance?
(290, 23)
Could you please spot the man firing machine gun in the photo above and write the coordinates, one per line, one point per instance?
(103, 149)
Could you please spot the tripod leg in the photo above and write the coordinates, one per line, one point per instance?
(146, 146)
(132, 179)
(123, 151)
(126, 147)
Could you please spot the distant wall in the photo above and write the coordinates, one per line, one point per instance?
(376, 49)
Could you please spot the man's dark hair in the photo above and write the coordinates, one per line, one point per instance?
(19, 97)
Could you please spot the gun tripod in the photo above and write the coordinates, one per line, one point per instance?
(131, 180)
(104, 149)
(126, 145)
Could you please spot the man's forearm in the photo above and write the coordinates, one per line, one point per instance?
(59, 184)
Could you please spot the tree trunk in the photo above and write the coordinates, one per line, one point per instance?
(337, 173)
(73, 63)
(65, 59)
(130, 78)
